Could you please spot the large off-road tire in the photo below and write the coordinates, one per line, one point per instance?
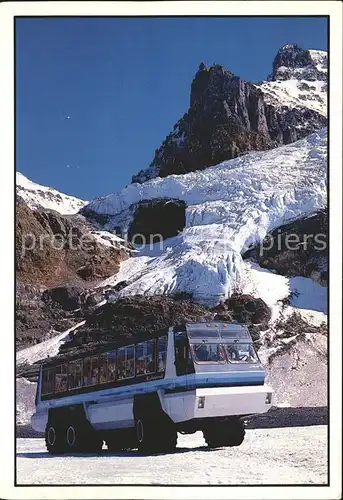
(155, 432)
(80, 437)
(155, 435)
(167, 437)
(145, 435)
(55, 438)
(230, 432)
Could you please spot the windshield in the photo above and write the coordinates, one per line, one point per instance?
(224, 353)
(209, 353)
(241, 353)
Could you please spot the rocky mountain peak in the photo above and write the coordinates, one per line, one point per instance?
(210, 82)
(293, 62)
(229, 116)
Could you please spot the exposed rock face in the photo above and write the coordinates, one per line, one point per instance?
(229, 116)
(53, 250)
(288, 125)
(68, 299)
(244, 309)
(247, 309)
(57, 257)
(156, 219)
(299, 248)
(38, 318)
(226, 117)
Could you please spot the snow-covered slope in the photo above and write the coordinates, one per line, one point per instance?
(296, 93)
(301, 84)
(229, 207)
(37, 196)
(306, 296)
(47, 348)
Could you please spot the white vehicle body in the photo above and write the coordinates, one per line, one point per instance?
(205, 391)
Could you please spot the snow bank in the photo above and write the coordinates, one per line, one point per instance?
(306, 296)
(229, 207)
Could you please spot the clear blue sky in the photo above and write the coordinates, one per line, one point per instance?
(124, 83)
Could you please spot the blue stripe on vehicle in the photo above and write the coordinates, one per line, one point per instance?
(201, 382)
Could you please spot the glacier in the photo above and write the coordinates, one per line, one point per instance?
(229, 207)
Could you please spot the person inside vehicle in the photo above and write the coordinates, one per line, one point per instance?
(233, 353)
(202, 353)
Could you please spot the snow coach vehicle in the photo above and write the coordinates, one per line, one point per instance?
(141, 392)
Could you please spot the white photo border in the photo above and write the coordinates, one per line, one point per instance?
(8, 10)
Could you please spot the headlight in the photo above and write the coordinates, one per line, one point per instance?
(201, 402)
(268, 398)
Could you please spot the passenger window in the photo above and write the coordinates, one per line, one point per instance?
(103, 368)
(91, 371)
(48, 381)
(162, 353)
(121, 363)
(61, 378)
(130, 362)
(45, 382)
(141, 358)
(87, 371)
(151, 360)
(145, 357)
(183, 359)
(95, 370)
(75, 374)
(111, 366)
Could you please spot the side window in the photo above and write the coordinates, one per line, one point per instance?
(91, 371)
(111, 366)
(121, 363)
(141, 358)
(45, 381)
(87, 371)
(162, 353)
(103, 368)
(48, 381)
(151, 359)
(145, 357)
(61, 378)
(183, 359)
(95, 370)
(126, 362)
(75, 374)
(130, 361)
